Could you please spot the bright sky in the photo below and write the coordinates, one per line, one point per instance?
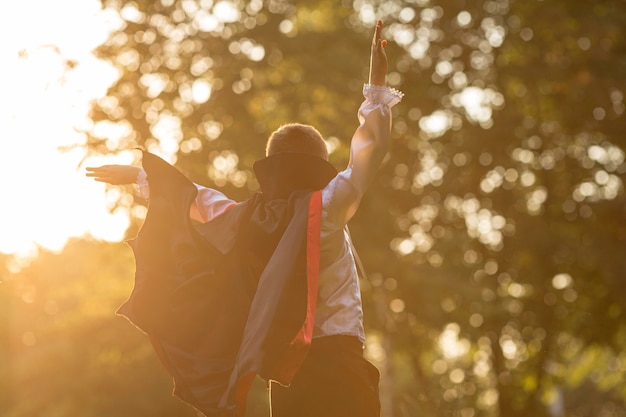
(45, 196)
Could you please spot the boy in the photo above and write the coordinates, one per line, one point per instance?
(275, 292)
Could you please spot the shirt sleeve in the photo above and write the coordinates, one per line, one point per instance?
(209, 203)
(369, 145)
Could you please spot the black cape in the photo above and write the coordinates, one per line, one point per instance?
(235, 297)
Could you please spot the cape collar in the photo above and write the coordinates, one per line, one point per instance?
(283, 173)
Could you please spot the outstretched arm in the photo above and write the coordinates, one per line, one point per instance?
(120, 175)
(114, 174)
(209, 203)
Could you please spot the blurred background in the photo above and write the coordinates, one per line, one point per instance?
(494, 237)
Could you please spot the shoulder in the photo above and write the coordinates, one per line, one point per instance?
(340, 200)
(340, 187)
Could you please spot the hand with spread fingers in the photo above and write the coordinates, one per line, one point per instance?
(114, 174)
(378, 59)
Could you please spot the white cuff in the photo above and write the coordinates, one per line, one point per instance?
(381, 94)
(143, 189)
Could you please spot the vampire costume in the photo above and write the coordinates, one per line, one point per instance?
(235, 297)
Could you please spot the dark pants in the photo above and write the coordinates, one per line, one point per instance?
(334, 381)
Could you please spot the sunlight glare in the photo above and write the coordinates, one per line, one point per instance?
(51, 75)
(226, 12)
(436, 124)
(450, 344)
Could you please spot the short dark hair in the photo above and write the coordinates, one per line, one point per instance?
(299, 138)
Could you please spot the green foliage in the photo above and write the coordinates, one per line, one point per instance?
(69, 355)
(493, 236)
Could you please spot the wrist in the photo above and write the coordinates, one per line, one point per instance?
(381, 94)
(140, 177)
(379, 79)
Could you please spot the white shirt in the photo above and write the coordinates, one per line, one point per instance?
(339, 310)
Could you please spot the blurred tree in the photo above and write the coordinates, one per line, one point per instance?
(494, 236)
(204, 84)
(69, 354)
(6, 318)
(518, 206)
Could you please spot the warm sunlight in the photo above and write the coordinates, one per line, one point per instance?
(49, 77)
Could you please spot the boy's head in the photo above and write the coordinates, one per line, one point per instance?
(299, 138)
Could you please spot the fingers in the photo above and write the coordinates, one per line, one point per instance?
(93, 171)
(377, 32)
(378, 58)
(378, 44)
(114, 174)
(105, 173)
(98, 171)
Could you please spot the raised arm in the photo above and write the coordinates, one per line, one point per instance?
(370, 141)
(378, 58)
